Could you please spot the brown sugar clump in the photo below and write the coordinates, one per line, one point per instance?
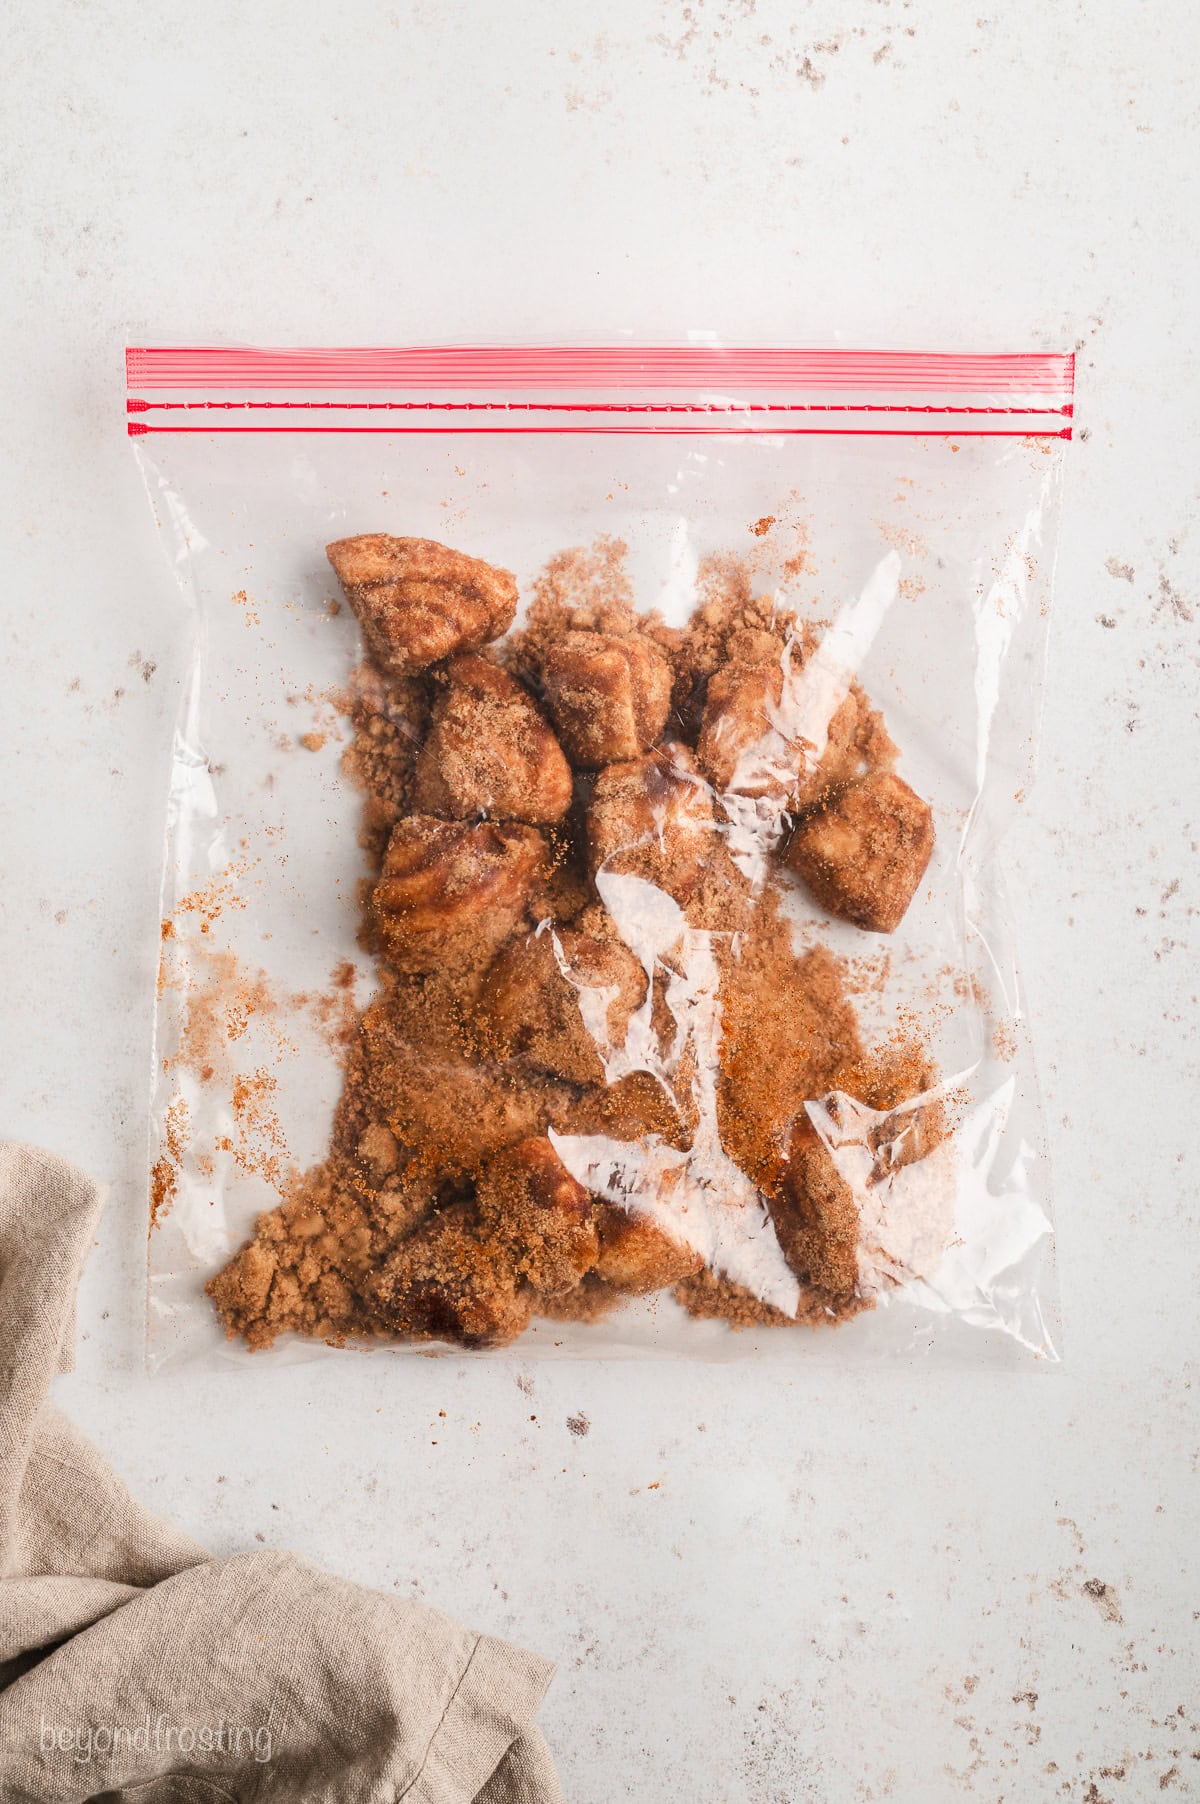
(864, 854)
(652, 818)
(636, 1256)
(302, 1271)
(418, 601)
(490, 751)
(241, 1293)
(709, 1297)
(608, 696)
(450, 892)
(379, 1150)
(531, 1208)
(562, 1001)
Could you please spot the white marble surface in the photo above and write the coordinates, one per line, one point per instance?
(823, 1585)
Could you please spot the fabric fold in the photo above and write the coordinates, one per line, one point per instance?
(135, 1667)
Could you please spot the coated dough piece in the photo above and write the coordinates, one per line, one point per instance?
(889, 1082)
(446, 1283)
(653, 818)
(642, 1106)
(534, 1210)
(742, 747)
(759, 736)
(562, 1000)
(864, 854)
(418, 601)
(490, 751)
(451, 892)
(449, 1109)
(857, 744)
(636, 1256)
(816, 1218)
(608, 696)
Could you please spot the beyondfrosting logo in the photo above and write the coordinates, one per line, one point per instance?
(88, 1741)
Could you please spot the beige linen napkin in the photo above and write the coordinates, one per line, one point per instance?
(134, 1667)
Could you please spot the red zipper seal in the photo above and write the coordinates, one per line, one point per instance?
(1044, 381)
(627, 407)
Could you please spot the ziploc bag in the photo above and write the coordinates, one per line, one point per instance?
(582, 912)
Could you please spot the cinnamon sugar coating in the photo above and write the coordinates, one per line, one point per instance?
(599, 1064)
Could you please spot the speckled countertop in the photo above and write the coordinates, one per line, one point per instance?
(827, 1585)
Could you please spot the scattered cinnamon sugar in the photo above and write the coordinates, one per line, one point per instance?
(260, 1143)
(868, 975)
(334, 1010)
(902, 539)
(585, 589)
(220, 999)
(587, 577)
(211, 900)
(313, 742)
(738, 1047)
(164, 1177)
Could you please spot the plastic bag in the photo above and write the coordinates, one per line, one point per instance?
(624, 856)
